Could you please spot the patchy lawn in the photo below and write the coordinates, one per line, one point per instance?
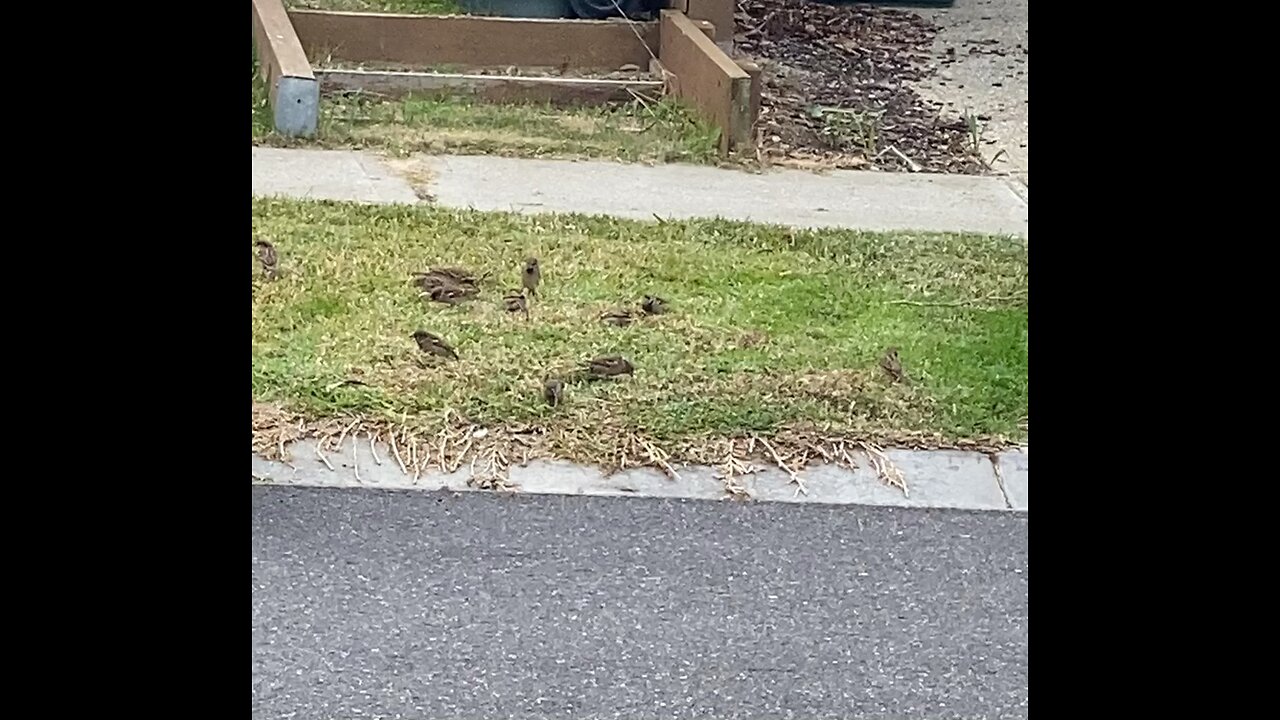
(772, 333)
(663, 132)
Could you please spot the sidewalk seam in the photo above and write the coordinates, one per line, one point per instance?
(1019, 189)
(995, 466)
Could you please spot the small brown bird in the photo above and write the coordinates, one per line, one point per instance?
(552, 391)
(617, 318)
(892, 364)
(433, 344)
(449, 292)
(653, 305)
(608, 366)
(270, 261)
(531, 276)
(515, 301)
(456, 275)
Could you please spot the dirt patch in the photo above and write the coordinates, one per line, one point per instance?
(415, 170)
(838, 88)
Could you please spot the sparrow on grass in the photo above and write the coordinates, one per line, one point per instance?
(892, 364)
(455, 275)
(608, 366)
(449, 292)
(433, 344)
(653, 305)
(617, 318)
(531, 275)
(553, 391)
(515, 301)
(269, 259)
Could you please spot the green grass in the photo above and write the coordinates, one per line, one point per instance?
(772, 331)
(660, 131)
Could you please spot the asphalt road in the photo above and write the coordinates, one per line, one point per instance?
(376, 604)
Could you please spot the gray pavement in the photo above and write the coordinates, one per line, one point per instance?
(370, 603)
(845, 198)
(987, 39)
(327, 175)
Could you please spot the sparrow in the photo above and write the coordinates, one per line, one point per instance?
(608, 366)
(891, 364)
(552, 391)
(428, 282)
(270, 261)
(449, 292)
(617, 318)
(653, 305)
(532, 275)
(433, 344)
(516, 302)
(460, 276)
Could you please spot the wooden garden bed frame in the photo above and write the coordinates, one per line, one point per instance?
(685, 47)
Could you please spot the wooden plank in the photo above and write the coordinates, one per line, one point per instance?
(494, 88)
(426, 40)
(717, 12)
(291, 86)
(757, 90)
(708, 79)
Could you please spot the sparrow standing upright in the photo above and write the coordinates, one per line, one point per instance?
(433, 344)
(552, 391)
(270, 261)
(532, 276)
(892, 364)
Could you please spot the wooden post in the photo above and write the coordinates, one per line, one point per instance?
(292, 89)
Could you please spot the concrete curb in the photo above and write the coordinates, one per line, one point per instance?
(935, 479)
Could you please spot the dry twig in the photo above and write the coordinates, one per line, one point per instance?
(396, 452)
(657, 455)
(355, 457)
(960, 303)
(795, 477)
(911, 164)
(884, 467)
(731, 468)
(320, 453)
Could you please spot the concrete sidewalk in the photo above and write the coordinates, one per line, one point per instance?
(850, 199)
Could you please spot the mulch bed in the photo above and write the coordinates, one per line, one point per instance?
(836, 90)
